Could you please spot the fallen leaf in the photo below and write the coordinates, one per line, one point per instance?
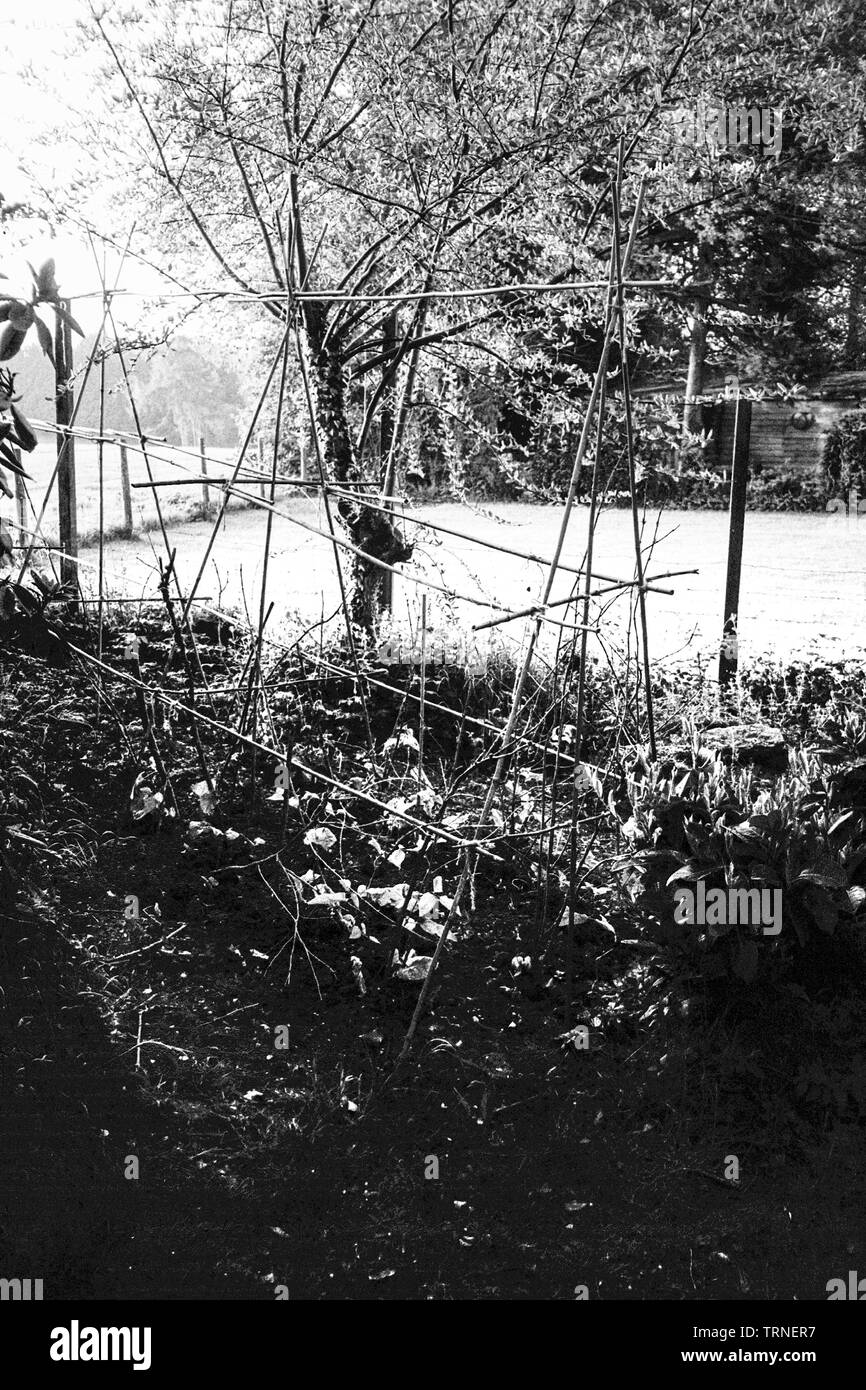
(320, 838)
(205, 798)
(415, 970)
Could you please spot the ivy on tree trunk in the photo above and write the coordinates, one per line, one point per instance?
(371, 531)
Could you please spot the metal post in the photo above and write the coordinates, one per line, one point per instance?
(422, 710)
(386, 435)
(739, 481)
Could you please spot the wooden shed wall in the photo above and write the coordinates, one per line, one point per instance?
(775, 442)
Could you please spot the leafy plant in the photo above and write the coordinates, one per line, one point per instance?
(24, 603)
(845, 453)
(723, 827)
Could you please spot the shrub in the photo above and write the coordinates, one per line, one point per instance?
(845, 454)
(725, 827)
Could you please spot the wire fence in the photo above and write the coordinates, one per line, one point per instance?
(804, 575)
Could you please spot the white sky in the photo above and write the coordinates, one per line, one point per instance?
(46, 78)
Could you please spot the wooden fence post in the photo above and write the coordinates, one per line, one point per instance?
(739, 480)
(125, 489)
(63, 409)
(20, 503)
(263, 487)
(205, 490)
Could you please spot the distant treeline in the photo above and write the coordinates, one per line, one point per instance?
(181, 391)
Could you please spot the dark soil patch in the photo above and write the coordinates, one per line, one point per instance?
(156, 1037)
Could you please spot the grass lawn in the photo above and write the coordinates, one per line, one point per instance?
(803, 583)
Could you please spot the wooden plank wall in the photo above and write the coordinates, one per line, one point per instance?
(775, 441)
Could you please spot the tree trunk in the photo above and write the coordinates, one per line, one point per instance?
(693, 415)
(370, 531)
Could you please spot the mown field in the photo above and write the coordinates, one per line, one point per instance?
(166, 462)
(803, 585)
